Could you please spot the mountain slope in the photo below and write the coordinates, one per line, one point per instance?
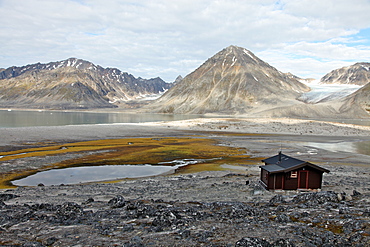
(72, 83)
(357, 74)
(232, 81)
(359, 100)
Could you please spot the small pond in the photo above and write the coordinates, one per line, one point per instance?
(86, 174)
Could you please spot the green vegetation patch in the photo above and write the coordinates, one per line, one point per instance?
(129, 151)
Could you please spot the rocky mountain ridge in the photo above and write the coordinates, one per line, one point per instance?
(358, 100)
(358, 74)
(72, 83)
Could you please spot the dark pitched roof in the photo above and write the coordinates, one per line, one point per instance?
(285, 163)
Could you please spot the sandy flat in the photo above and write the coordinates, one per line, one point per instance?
(269, 126)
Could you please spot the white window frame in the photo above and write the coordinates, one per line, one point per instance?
(294, 174)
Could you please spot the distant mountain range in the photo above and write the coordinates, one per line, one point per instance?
(73, 83)
(233, 81)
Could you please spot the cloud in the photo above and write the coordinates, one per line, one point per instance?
(314, 60)
(166, 38)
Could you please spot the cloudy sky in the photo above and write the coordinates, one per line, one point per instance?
(167, 38)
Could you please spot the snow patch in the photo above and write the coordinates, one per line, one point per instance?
(234, 61)
(249, 54)
(367, 68)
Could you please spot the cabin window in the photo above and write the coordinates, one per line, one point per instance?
(293, 174)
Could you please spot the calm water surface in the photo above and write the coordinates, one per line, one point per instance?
(18, 118)
(75, 175)
(85, 174)
(15, 118)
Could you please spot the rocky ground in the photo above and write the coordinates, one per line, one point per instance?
(210, 208)
(222, 208)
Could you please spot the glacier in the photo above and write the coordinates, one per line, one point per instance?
(326, 92)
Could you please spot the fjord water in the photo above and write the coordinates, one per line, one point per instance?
(18, 118)
(15, 118)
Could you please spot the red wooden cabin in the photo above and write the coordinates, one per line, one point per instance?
(282, 172)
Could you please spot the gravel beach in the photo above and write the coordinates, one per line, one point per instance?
(207, 208)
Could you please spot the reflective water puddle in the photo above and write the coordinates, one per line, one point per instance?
(75, 175)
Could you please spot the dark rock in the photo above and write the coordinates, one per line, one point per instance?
(283, 243)
(165, 219)
(280, 208)
(352, 226)
(355, 237)
(344, 210)
(33, 244)
(50, 241)
(134, 242)
(356, 193)
(41, 185)
(117, 202)
(338, 242)
(316, 198)
(276, 200)
(88, 201)
(69, 210)
(282, 218)
(5, 197)
(184, 233)
(252, 242)
(366, 212)
(127, 228)
(43, 206)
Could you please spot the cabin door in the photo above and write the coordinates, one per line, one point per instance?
(303, 179)
(279, 182)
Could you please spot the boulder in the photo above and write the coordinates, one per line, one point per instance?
(117, 202)
(316, 197)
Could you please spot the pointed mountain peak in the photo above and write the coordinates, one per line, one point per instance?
(235, 55)
(234, 48)
(233, 80)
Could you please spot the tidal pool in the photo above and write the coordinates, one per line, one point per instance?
(86, 174)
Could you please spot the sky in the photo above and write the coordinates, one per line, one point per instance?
(167, 38)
